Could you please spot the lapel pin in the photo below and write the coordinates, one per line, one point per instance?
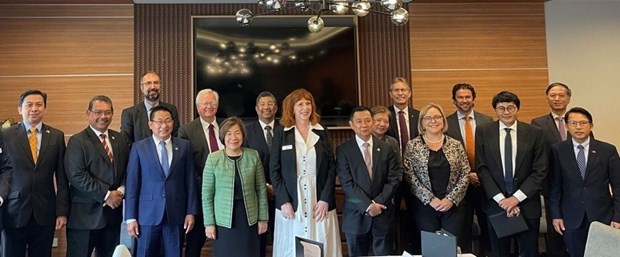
(0, 150)
(378, 149)
(113, 138)
(593, 151)
(176, 148)
(47, 131)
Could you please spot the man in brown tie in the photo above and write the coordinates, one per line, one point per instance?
(202, 133)
(462, 126)
(368, 171)
(553, 127)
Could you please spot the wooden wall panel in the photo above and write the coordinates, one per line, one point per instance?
(493, 46)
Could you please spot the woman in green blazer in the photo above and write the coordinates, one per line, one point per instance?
(234, 195)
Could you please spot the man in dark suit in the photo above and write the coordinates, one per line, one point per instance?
(95, 163)
(554, 131)
(134, 120)
(404, 127)
(511, 161)
(34, 208)
(583, 170)
(260, 136)
(5, 174)
(202, 134)
(368, 171)
(462, 126)
(161, 189)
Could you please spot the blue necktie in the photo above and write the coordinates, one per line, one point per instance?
(581, 161)
(508, 161)
(164, 158)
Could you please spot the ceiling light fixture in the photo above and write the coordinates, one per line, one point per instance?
(393, 8)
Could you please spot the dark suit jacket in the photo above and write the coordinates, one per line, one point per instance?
(5, 174)
(530, 166)
(360, 190)
(32, 186)
(413, 123)
(194, 133)
(551, 135)
(454, 129)
(135, 121)
(283, 168)
(255, 139)
(573, 197)
(150, 194)
(91, 175)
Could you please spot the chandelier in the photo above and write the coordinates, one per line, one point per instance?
(393, 8)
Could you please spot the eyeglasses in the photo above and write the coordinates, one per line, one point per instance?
(400, 90)
(211, 104)
(428, 119)
(150, 83)
(162, 122)
(582, 123)
(100, 113)
(502, 109)
(267, 104)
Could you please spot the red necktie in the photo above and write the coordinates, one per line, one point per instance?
(212, 139)
(106, 148)
(404, 135)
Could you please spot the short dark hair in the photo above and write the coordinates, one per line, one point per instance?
(465, 86)
(578, 110)
(506, 97)
(148, 72)
(266, 94)
(359, 108)
(100, 98)
(23, 96)
(229, 123)
(558, 84)
(159, 108)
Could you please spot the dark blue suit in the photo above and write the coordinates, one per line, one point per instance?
(5, 173)
(579, 201)
(158, 202)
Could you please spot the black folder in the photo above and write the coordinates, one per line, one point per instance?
(506, 226)
(438, 244)
(308, 248)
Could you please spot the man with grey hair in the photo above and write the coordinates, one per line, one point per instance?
(134, 120)
(202, 133)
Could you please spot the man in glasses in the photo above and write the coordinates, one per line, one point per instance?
(134, 120)
(582, 172)
(511, 160)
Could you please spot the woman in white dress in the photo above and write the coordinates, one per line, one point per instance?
(303, 174)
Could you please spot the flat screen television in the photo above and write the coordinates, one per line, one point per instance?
(278, 54)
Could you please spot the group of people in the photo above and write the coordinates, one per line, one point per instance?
(241, 185)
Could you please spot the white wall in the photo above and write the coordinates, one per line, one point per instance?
(583, 50)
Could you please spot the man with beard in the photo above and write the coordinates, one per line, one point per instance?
(553, 127)
(260, 135)
(134, 120)
(462, 126)
(95, 164)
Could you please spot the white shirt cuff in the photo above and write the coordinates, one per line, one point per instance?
(131, 221)
(520, 195)
(499, 197)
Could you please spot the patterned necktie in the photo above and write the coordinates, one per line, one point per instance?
(212, 139)
(367, 158)
(469, 142)
(508, 161)
(581, 161)
(33, 141)
(268, 136)
(404, 134)
(164, 158)
(561, 127)
(106, 148)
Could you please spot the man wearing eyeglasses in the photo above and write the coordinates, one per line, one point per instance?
(134, 120)
(582, 172)
(553, 127)
(511, 160)
(260, 135)
(95, 164)
(202, 133)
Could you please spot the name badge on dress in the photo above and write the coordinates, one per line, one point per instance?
(287, 147)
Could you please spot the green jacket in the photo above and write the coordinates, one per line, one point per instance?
(218, 188)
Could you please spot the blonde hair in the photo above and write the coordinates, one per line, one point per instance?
(423, 113)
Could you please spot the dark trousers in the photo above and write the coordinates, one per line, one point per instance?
(360, 245)
(474, 203)
(428, 219)
(81, 242)
(37, 239)
(576, 238)
(195, 239)
(554, 241)
(268, 236)
(409, 231)
(165, 237)
(527, 240)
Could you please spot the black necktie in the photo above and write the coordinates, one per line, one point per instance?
(268, 136)
(508, 161)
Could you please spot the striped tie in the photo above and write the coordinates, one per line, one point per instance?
(581, 161)
(33, 141)
(106, 148)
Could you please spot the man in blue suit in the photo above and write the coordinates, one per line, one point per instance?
(5, 174)
(161, 192)
(582, 170)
